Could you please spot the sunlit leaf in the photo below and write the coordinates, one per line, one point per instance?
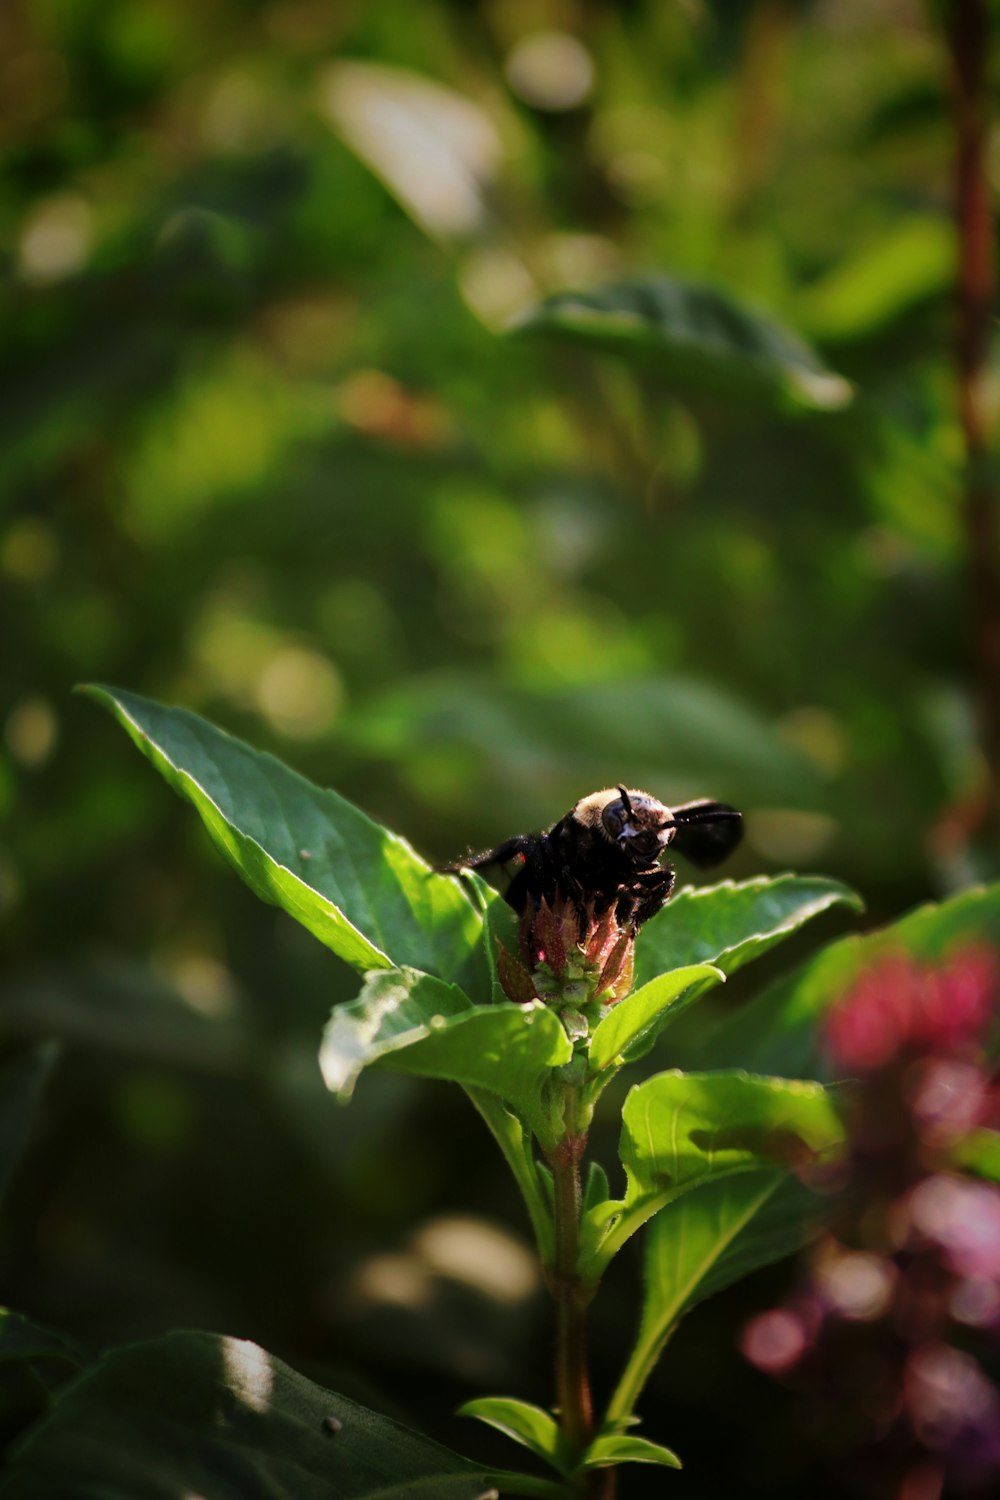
(358, 888)
(704, 1241)
(528, 1425)
(622, 1448)
(696, 336)
(631, 1027)
(682, 1130)
(416, 1024)
(729, 924)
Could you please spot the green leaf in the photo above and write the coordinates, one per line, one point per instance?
(119, 1006)
(417, 1024)
(621, 1448)
(358, 888)
(697, 337)
(905, 264)
(681, 1130)
(703, 1242)
(22, 1079)
(514, 1140)
(597, 1189)
(529, 1425)
(396, 1009)
(979, 1153)
(654, 729)
(728, 924)
(196, 1413)
(780, 1030)
(631, 1027)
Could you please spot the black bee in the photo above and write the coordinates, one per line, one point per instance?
(605, 852)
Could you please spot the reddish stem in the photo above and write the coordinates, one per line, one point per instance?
(571, 1297)
(969, 36)
(572, 1381)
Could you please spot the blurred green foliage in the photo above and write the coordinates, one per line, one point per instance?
(267, 450)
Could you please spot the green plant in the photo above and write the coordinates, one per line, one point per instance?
(719, 1163)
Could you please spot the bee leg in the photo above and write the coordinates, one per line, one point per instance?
(650, 893)
(626, 908)
(520, 844)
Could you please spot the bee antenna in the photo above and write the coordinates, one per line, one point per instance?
(628, 805)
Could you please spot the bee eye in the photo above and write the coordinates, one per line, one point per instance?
(613, 818)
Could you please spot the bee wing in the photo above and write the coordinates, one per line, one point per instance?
(706, 831)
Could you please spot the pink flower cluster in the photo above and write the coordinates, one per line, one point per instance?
(899, 1006)
(889, 1325)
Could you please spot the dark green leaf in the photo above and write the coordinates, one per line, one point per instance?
(358, 888)
(682, 1130)
(122, 1007)
(21, 1082)
(728, 924)
(199, 1414)
(631, 1027)
(22, 1341)
(697, 337)
(529, 1425)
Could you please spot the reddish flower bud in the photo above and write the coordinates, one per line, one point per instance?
(616, 975)
(572, 957)
(515, 980)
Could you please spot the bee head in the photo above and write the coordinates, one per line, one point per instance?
(637, 823)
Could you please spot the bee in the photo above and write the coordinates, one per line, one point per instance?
(606, 853)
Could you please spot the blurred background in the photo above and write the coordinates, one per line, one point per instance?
(282, 442)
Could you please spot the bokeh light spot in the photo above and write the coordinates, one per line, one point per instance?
(774, 1341)
(550, 70)
(31, 731)
(299, 692)
(29, 551)
(481, 1255)
(56, 238)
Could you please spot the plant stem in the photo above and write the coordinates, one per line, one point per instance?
(969, 35)
(576, 1415)
(558, 1237)
(571, 1295)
